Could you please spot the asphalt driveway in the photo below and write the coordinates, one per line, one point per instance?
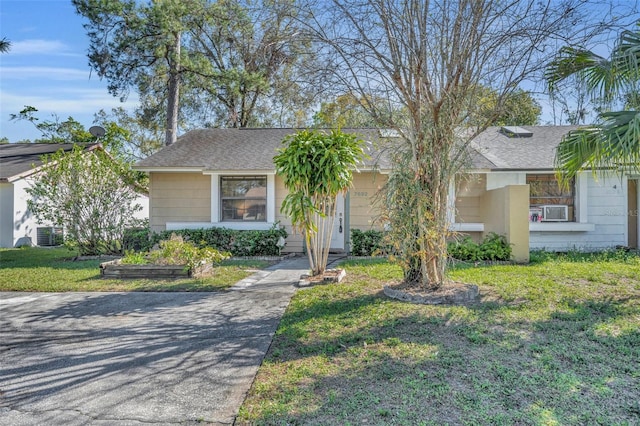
(137, 358)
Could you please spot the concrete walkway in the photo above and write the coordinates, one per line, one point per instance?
(138, 358)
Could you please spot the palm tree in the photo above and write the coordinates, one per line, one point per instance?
(5, 45)
(615, 140)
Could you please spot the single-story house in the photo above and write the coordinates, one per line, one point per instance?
(19, 164)
(226, 178)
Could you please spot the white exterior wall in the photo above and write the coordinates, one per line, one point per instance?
(16, 221)
(6, 215)
(497, 180)
(606, 207)
(24, 223)
(143, 214)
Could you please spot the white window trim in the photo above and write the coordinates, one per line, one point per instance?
(271, 202)
(582, 202)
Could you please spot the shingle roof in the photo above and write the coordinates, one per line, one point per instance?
(17, 159)
(254, 149)
(238, 149)
(521, 153)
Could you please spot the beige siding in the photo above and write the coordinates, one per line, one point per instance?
(294, 241)
(363, 214)
(178, 197)
(469, 192)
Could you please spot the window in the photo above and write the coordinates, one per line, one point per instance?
(544, 190)
(243, 198)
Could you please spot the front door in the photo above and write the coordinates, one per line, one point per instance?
(632, 212)
(338, 233)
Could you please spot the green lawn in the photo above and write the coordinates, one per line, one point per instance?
(556, 342)
(54, 270)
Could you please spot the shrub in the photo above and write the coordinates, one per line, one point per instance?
(576, 255)
(238, 243)
(137, 239)
(366, 243)
(88, 193)
(493, 247)
(134, 258)
(465, 249)
(176, 251)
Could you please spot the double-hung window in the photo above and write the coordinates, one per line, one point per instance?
(243, 198)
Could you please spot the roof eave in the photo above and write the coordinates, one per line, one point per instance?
(238, 171)
(168, 169)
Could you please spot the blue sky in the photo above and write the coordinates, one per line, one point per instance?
(47, 67)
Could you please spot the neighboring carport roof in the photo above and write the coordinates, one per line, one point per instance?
(21, 159)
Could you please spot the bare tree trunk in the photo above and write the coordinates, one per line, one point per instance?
(173, 99)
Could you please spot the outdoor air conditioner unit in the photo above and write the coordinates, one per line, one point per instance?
(49, 236)
(555, 213)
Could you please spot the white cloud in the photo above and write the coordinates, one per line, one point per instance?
(64, 102)
(49, 73)
(41, 47)
(81, 104)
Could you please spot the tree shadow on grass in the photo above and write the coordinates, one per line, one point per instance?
(55, 258)
(422, 364)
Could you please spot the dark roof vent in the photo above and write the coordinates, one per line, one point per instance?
(515, 132)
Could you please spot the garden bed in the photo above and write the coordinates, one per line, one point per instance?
(115, 269)
(329, 276)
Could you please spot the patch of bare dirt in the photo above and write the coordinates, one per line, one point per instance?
(450, 293)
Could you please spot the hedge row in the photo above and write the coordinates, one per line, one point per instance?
(264, 243)
(367, 243)
(238, 243)
(493, 247)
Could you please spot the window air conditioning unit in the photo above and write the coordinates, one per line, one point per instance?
(556, 213)
(49, 236)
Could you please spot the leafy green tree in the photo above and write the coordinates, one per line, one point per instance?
(133, 44)
(54, 131)
(614, 141)
(199, 63)
(253, 61)
(517, 108)
(115, 140)
(88, 193)
(143, 134)
(345, 111)
(316, 168)
(352, 111)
